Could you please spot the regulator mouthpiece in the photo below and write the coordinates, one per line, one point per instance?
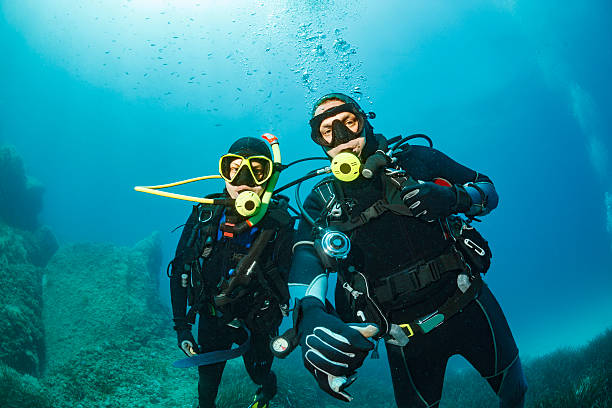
(346, 166)
(247, 203)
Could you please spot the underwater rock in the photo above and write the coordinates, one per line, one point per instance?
(20, 195)
(150, 249)
(609, 213)
(12, 246)
(40, 245)
(22, 239)
(113, 376)
(100, 294)
(22, 254)
(21, 330)
(109, 340)
(18, 390)
(19, 246)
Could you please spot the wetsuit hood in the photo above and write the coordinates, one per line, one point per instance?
(250, 146)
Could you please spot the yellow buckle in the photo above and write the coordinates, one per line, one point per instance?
(405, 327)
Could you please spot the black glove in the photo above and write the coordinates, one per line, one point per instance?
(186, 342)
(331, 349)
(429, 200)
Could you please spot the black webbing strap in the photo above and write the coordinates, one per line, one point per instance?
(391, 201)
(244, 271)
(373, 211)
(416, 277)
(452, 306)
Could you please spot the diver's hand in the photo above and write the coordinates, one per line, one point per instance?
(429, 200)
(331, 349)
(186, 341)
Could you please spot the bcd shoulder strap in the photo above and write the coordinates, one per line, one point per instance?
(391, 200)
(200, 243)
(329, 193)
(206, 228)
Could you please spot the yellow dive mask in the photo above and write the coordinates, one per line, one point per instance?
(248, 171)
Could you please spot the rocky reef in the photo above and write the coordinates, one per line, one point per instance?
(109, 340)
(98, 337)
(25, 249)
(21, 196)
(96, 294)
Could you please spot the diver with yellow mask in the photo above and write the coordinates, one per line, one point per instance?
(231, 268)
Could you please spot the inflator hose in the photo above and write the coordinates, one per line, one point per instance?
(378, 160)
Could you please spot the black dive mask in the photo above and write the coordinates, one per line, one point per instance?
(340, 133)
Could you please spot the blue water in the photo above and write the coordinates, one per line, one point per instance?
(100, 96)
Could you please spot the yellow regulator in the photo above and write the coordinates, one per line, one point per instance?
(247, 203)
(346, 166)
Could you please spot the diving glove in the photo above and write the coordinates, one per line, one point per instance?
(186, 342)
(429, 200)
(332, 350)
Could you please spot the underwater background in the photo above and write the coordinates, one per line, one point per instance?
(99, 96)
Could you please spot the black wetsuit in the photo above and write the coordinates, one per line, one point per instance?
(259, 309)
(391, 243)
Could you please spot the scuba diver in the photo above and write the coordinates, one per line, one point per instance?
(409, 265)
(231, 268)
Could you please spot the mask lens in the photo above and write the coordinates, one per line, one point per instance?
(229, 166)
(257, 169)
(261, 167)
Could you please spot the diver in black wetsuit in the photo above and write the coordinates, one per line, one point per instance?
(405, 270)
(234, 279)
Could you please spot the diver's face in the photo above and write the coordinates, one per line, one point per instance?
(349, 120)
(233, 190)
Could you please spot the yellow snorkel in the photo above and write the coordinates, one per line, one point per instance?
(267, 195)
(247, 204)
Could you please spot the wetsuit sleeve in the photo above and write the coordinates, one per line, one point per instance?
(307, 276)
(476, 195)
(178, 293)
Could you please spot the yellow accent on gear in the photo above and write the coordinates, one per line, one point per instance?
(407, 326)
(247, 203)
(346, 166)
(154, 190)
